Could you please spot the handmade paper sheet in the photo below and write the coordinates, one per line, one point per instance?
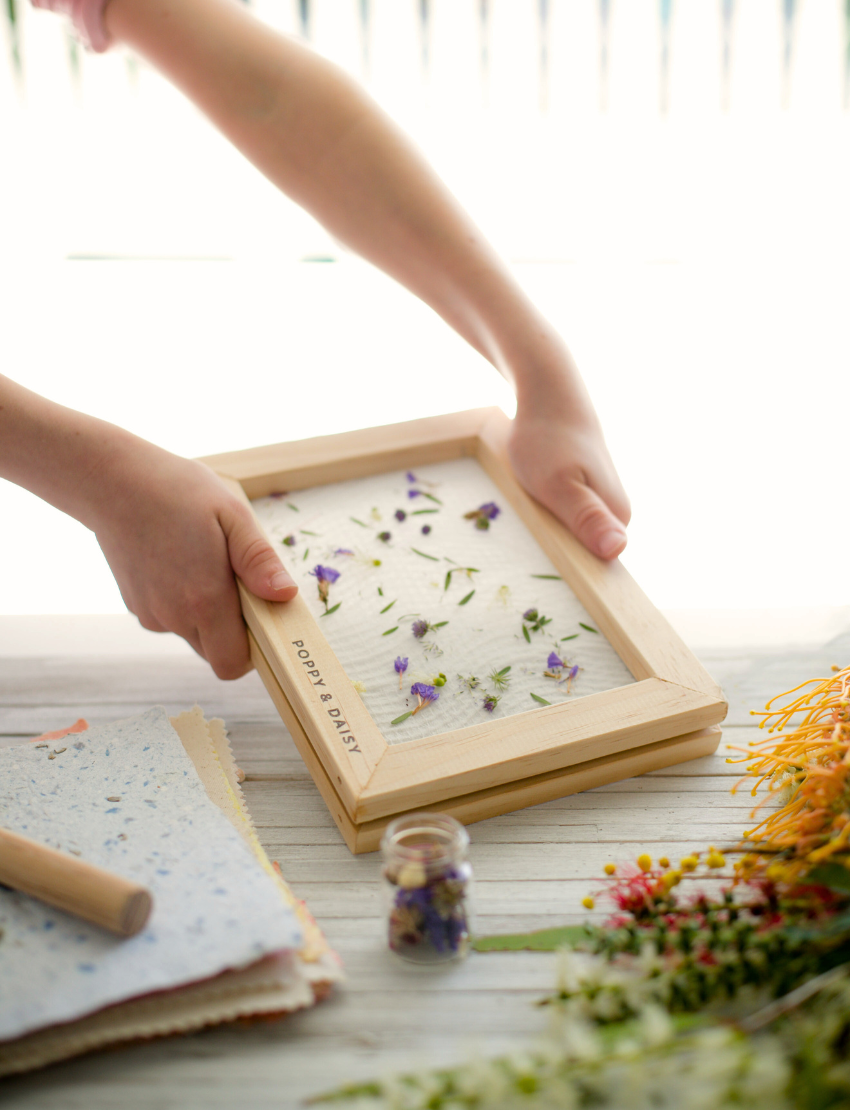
(395, 568)
(127, 797)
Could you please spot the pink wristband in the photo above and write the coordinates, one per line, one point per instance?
(87, 18)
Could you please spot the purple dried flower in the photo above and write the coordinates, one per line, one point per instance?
(491, 510)
(400, 667)
(277, 494)
(573, 671)
(413, 492)
(343, 551)
(411, 477)
(554, 660)
(325, 574)
(424, 692)
(426, 529)
(385, 536)
(490, 702)
(400, 515)
(420, 627)
(483, 515)
(289, 541)
(530, 615)
(325, 578)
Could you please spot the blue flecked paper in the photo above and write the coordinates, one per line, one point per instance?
(214, 906)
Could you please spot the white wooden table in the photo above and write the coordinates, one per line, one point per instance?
(533, 868)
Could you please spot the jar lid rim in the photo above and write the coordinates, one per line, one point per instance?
(453, 835)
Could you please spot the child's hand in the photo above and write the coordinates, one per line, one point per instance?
(560, 457)
(174, 537)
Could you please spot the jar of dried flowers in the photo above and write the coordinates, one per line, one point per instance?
(428, 884)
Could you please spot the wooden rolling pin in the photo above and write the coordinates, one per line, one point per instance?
(70, 884)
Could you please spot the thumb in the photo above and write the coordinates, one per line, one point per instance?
(255, 561)
(590, 520)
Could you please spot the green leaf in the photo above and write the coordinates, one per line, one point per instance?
(304, 532)
(502, 672)
(416, 551)
(544, 940)
(389, 631)
(332, 609)
(294, 508)
(468, 597)
(387, 608)
(439, 624)
(360, 522)
(306, 553)
(832, 875)
(403, 717)
(380, 592)
(431, 497)
(573, 637)
(587, 627)
(552, 577)
(525, 633)
(448, 580)
(542, 701)
(422, 512)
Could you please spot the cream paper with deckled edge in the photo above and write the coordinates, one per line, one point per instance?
(282, 984)
(482, 636)
(126, 797)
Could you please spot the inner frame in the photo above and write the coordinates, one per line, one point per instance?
(503, 633)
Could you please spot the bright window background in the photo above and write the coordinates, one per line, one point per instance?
(694, 257)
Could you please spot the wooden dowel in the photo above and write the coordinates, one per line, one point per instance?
(70, 884)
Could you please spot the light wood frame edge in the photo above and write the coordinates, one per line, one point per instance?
(481, 804)
(673, 696)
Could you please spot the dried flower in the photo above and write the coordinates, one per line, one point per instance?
(343, 551)
(501, 679)
(554, 661)
(644, 862)
(490, 702)
(426, 529)
(325, 578)
(611, 868)
(400, 667)
(425, 694)
(400, 515)
(483, 515)
(588, 903)
(535, 621)
(385, 537)
(420, 627)
(414, 493)
(530, 615)
(290, 541)
(411, 477)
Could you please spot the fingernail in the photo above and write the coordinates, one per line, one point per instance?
(281, 581)
(611, 543)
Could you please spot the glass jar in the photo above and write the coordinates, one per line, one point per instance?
(428, 887)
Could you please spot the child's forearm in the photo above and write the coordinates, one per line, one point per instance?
(319, 137)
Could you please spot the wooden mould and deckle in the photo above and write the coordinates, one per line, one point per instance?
(664, 710)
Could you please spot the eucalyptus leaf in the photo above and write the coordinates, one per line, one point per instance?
(332, 609)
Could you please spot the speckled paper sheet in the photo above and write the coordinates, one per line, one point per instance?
(214, 905)
(341, 525)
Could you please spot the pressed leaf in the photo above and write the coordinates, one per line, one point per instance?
(542, 701)
(390, 630)
(543, 940)
(294, 508)
(332, 609)
(360, 522)
(306, 553)
(552, 577)
(380, 592)
(403, 717)
(525, 633)
(304, 532)
(587, 627)
(387, 608)
(502, 672)
(468, 597)
(448, 580)
(573, 637)
(431, 497)
(422, 512)
(439, 624)
(433, 558)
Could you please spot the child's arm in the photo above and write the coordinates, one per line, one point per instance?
(323, 141)
(171, 532)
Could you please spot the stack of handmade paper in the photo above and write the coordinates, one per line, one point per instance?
(226, 939)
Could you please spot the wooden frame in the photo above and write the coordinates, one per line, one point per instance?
(666, 716)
